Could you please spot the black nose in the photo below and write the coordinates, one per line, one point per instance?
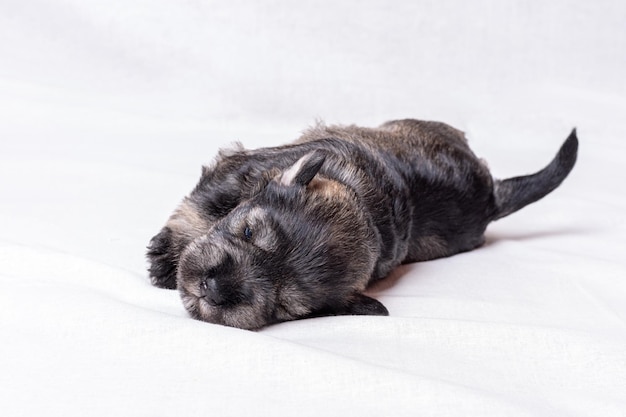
(211, 292)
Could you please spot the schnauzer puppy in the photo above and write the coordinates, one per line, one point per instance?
(301, 230)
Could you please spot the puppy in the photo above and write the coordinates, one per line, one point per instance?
(301, 230)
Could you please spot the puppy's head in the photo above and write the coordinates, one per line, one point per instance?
(301, 246)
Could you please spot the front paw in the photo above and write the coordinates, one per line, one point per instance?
(163, 260)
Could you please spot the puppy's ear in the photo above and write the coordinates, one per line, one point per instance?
(356, 305)
(303, 171)
(362, 305)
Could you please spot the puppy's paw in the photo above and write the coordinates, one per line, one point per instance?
(163, 260)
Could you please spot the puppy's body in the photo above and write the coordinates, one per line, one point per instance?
(300, 230)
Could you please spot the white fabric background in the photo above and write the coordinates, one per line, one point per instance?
(108, 110)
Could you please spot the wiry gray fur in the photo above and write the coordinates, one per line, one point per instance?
(301, 230)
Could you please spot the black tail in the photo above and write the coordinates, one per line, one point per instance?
(514, 193)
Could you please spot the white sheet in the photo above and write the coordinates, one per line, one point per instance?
(108, 110)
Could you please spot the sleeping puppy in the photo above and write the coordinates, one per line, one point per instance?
(301, 230)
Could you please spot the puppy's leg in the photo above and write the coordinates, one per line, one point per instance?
(165, 248)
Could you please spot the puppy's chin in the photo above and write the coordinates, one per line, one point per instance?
(242, 316)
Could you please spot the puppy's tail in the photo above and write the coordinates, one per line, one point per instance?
(514, 193)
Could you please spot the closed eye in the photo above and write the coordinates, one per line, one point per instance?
(247, 233)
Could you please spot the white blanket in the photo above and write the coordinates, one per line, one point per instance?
(109, 109)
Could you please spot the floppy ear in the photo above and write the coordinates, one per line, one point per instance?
(356, 305)
(303, 171)
(362, 305)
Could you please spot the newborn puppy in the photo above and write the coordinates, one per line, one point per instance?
(301, 230)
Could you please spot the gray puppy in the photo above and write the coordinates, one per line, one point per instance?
(301, 230)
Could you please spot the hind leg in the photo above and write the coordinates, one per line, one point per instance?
(435, 247)
(421, 130)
